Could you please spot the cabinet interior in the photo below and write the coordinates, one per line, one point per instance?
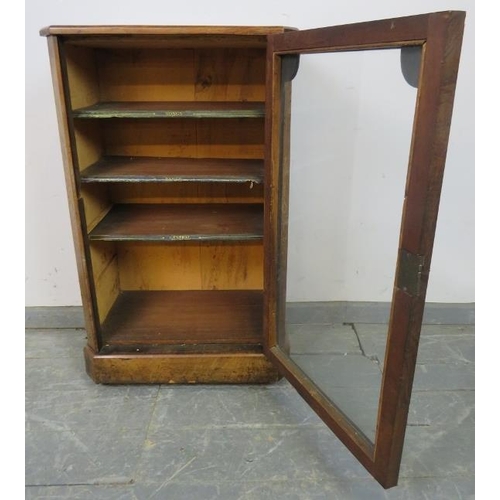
(168, 157)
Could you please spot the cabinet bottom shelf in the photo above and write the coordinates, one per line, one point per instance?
(182, 337)
(148, 321)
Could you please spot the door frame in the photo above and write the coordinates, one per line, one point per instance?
(440, 37)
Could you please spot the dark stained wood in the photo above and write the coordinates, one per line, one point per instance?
(425, 176)
(397, 32)
(146, 169)
(185, 317)
(214, 222)
(66, 135)
(441, 35)
(277, 174)
(171, 109)
(206, 368)
(272, 165)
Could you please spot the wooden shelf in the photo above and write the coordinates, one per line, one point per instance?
(146, 169)
(203, 317)
(179, 222)
(191, 109)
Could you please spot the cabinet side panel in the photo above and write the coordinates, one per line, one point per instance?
(88, 140)
(106, 277)
(107, 286)
(96, 203)
(72, 192)
(82, 76)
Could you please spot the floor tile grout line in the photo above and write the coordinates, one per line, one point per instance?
(133, 483)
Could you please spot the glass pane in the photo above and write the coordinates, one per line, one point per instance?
(351, 124)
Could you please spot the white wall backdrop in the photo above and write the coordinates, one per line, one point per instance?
(317, 272)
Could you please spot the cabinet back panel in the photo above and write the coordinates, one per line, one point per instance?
(190, 192)
(182, 75)
(191, 266)
(232, 266)
(204, 138)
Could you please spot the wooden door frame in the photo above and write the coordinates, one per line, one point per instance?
(440, 36)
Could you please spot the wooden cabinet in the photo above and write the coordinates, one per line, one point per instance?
(176, 150)
(163, 134)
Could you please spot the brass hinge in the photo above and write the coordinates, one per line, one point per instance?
(410, 272)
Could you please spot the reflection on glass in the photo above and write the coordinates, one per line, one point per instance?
(351, 125)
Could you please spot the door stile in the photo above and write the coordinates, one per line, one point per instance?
(438, 77)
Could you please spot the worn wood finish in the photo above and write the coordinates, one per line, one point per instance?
(180, 109)
(180, 222)
(205, 368)
(208, 138)
(75, 204)
(441, 35)
(187, 31)
(190, 265)
(155, 349)
(146, 169)
(185, 317)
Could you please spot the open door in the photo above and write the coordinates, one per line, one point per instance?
(428, 47)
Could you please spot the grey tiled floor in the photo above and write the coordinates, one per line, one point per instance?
(87, 441)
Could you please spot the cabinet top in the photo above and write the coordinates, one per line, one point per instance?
(161, 30)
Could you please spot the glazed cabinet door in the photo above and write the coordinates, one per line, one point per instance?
(354, 169)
